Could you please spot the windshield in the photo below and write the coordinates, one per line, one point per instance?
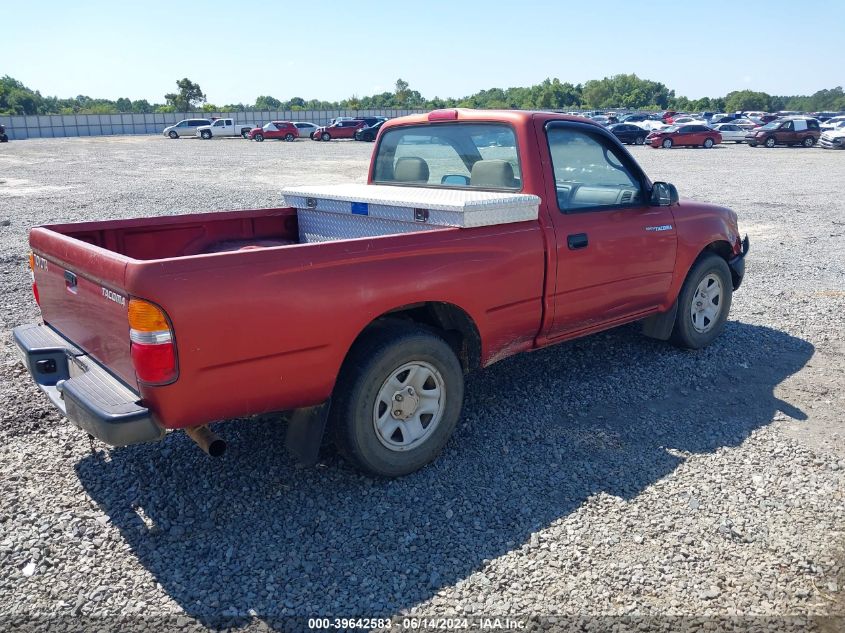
(269, 127)
(771, 126)
(448, 155)
(671, 128)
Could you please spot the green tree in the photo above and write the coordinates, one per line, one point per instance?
(268, 103)
(740, 100)
(401, 92)
(188, 97)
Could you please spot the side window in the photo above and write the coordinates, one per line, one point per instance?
(218, 123)
(590, 172)
(182, 124)
(787, 126)
(813, 125)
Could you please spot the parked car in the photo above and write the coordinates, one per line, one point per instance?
(730, 132)
(383, 314)
(305, 128)
(368, 133)
(282, 130)
(682, 120)
(186, 127)
(788, 131)
(341, 129)
(370, 121)
(629, 133)
(4, 138)
(745, 123)
(224, 127)
(833, 139)
(637, 117)
(695, 135)
(832, 123)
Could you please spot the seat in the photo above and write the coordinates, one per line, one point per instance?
(411, 169)
(495, 174)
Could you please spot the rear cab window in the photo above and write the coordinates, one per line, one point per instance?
(450, 155)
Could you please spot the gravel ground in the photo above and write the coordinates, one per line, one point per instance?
(610, 476)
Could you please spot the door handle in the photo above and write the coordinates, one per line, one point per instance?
(70, 281)
(576, 241)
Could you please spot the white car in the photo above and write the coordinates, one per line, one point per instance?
(651, 125)
(832, 124)
(745, 124)
(224, 127)
(186, 127)
(688, 120)
(306, 129)
(833, 139)
(730, 132)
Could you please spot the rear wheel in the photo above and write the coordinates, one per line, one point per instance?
(809, 141)
(289, 137)
(173, 134)
(703, 303)
(708, 143)
(258, 137)
(640, 140)
(397, 401)
(667, 143)
(770, 142)
(325, 136)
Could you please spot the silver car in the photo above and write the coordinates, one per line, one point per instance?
(187, 127)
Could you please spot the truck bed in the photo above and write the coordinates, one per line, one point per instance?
(247, 298)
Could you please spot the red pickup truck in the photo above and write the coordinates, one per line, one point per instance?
(363, 326)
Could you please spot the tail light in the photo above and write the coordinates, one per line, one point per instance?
(151, 343)
(32, 274)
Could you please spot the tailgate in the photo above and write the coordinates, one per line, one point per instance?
(81, 295)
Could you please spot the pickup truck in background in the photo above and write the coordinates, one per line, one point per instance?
(223, 127)
(358, 322)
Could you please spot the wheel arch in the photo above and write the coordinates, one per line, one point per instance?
(452, 322)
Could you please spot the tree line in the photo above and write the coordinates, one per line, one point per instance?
(618, 91)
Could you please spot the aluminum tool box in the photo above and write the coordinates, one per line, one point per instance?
(337, 212)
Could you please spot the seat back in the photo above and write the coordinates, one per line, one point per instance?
(411, 169)
(496, 174)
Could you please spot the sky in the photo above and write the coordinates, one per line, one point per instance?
(334, 50)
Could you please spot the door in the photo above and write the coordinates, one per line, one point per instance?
(786, 133)
(615, 252)
(218, 128)
(687, 136)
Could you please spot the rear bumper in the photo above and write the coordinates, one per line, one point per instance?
(89, 396)
(737, 264)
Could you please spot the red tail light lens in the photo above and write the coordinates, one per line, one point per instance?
(151, 343)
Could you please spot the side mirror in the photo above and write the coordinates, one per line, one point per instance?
(664, 194)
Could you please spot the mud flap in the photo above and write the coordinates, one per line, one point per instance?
(660, 325)
(305, 433)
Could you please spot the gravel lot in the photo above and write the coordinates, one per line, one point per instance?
(609, 476)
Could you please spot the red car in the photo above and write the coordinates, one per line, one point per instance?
(684, 135)
(360, 307)
(340, 129)
(282, 130)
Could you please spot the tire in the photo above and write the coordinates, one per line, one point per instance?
(667, 143)
(808, 142)
(640, 140)
(245, 135)
(311, 136)
(4, 138)
(701, 318)
(325, 136)
(708, 143)
(752, 145)
(258, 137)
(770, 142)
(205, 134)
(289, 137)
(173, 134)
(362, 399)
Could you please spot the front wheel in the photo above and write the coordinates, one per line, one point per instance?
(258, 137)
(667, 143)
(397, 401)
(206, 134)
(770, 142)
(703, 304)
(325, 136)
(173, 134)
(809, 141)
(708, 143)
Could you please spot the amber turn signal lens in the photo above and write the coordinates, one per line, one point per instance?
(146, 317)
(31, 260)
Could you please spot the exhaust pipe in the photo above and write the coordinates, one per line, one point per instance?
(207, 440)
